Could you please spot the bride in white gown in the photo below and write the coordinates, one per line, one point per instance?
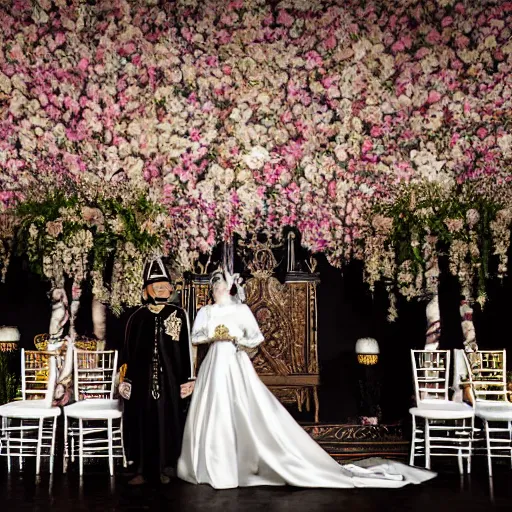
(238, 434)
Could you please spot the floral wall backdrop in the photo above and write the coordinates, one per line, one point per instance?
(380, 129)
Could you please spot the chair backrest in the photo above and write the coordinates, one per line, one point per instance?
(36, 375)
(94, 373)
(487, 373)
(431, 370)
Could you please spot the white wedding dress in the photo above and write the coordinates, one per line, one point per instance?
(238, 434)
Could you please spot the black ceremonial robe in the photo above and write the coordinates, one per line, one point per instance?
(157, 355)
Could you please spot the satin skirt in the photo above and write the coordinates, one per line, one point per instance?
(237, 434)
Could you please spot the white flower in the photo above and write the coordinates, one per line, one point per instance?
(430, 167)
(243, 175)
(357, 125)
(256, 158)
(133, 167)
(365, 189)
(5, 83)
(134, 129)
(505, 144)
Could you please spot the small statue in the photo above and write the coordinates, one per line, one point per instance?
(156, 377)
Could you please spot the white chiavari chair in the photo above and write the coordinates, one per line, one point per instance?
(440, 427)
(29, 425)
(93, 424)
(487, 371)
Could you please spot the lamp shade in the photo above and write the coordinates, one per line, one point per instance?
(367, 346)
(9, 334)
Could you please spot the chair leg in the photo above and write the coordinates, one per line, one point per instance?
(65, 455)
(21, 444)
(52, 446)
(81, 446)
(73, 447)
(460, 448)
(470, 448)
(427, 444)
(110, 447)
(39, 446)
(510, 441)
(488, 442)
(8, 436)
(413, 442)
(125, 462)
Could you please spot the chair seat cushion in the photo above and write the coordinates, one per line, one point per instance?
(442, 410)
(28, 409)
(99, 409)
(494, 411)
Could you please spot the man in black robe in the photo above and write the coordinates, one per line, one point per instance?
(157, 376)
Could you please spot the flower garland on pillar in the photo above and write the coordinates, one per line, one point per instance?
(468, 328)
(433, 312)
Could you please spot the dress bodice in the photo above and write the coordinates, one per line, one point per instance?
(230, 322)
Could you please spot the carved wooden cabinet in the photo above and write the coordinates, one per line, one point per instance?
(287, 315)
(287, 362)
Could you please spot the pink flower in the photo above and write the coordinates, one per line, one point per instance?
(212, 60)
(376, 131)
(461, 41)
(227, 19)
(398, 46)
(284, 18)
(286, 117)
(456, 64)
(127, 49)
(367, 146)
(192, 98)
(83, 64)
(433, 37)
(481, 132)
(454, 139)
(224, 37)
(16, 53)
(331, 189)
(447, 21)
(330, 42)
(460, 9)
(433, 97)
(313, 60)
(422, 52)
(195, 135)
(328, 81)
(60, 38)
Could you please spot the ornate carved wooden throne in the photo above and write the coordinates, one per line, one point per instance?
(287, 314)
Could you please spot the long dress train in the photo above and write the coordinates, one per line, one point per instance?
(238, 434)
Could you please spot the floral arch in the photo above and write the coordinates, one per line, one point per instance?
(380, 129)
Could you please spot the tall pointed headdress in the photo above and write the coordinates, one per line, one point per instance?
(155, 271)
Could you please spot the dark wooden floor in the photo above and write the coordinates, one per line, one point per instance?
(20, 492)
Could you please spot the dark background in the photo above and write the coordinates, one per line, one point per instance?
(346, 310)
